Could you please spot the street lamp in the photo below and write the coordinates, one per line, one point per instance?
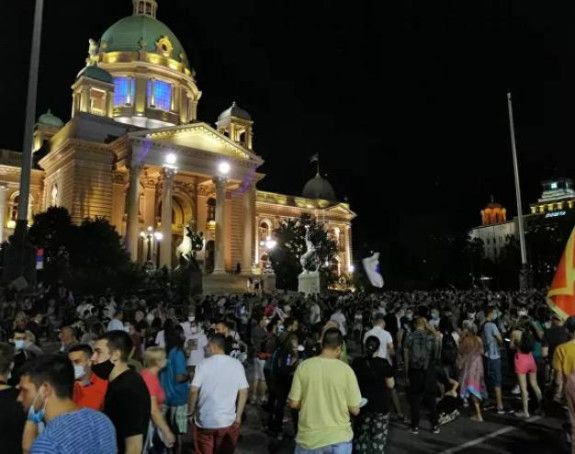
(149, 234)
(171, 160)
(270, 244)
(224, 168)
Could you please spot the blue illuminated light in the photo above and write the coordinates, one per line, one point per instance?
(162, 98)
(124, 91)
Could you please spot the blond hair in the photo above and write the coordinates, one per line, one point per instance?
(154, 356)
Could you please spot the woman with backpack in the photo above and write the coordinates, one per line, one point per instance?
(174, 379)
(449, 347)
(523, 343)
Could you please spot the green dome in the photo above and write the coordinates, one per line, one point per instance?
(127, 34)
(96, 73)
(319, 188)
(49, 119)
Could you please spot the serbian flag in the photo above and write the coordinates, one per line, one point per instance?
(561, 296)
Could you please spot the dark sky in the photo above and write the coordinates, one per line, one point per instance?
(405, 101)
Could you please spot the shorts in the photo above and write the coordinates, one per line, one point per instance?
(494, 376)
(525, 364)
(259, 365)
(177, 418)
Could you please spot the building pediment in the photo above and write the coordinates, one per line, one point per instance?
(341, 209)
(200, 136)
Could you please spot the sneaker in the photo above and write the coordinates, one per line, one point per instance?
(435, 430)
(414, 430)
(516, 391)
(402, 419)
(501, 411)
(280, 437)
(523, 415)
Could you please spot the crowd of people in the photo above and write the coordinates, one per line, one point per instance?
(109, 374)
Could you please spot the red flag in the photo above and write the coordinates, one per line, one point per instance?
(561, 296)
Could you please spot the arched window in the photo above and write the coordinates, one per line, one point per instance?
(54, 196)
(14, 201)
(264, 231)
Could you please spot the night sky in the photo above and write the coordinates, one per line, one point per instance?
(405, 101)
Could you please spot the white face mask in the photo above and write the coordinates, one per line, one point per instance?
(79, 372)
(191, 318)
(19, 344)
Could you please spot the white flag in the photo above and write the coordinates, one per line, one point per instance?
(371, 267)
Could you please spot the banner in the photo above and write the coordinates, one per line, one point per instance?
(371, 267)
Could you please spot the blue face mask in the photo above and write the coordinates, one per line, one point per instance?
(37, 416)
(19, 344)
(494, 316)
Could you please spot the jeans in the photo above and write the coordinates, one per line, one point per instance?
(339, 448)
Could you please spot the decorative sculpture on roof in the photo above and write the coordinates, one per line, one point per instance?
(92, 51)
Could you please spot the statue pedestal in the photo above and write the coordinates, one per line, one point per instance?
(269, 282)
(310, 283)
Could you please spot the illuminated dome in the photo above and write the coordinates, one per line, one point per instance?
(93, 72)
(139, 32)
(319, 188)
(493, 213)
(49, 119)
(235, 111)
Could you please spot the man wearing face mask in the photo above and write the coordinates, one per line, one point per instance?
(127, 402)
(46, 389)
(12, 417)
(89, 389)
(22, 354)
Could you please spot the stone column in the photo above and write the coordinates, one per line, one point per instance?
(166, 244)
(220, 252)
(133, 221)
(248, 208)
(3, 194)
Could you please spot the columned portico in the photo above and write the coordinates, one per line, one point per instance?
(220, 252)
(133, 221)
(167, 190)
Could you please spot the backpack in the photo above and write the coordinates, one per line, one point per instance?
(420, 351)
(449, 350)
(527, 342)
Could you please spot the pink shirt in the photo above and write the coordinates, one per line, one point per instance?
(154, 386)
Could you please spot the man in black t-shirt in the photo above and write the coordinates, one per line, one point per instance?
(12, 416)
(127, 402)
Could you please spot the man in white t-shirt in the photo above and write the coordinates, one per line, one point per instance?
(314, 313)
(219, 382)
(341, 321)
(385, 339)
(196, 343)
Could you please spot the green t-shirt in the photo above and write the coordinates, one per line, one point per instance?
(325, 388)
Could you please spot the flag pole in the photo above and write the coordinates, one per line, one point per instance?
(523, 284)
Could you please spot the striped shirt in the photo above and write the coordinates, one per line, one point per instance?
(85, 431)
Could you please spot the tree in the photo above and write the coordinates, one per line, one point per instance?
(291, 245)
(88, 258)
(52, 231)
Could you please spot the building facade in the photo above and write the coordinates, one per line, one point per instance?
(557, 198)
(135, 153)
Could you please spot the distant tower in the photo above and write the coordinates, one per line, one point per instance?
(237, 124)
(493, 213)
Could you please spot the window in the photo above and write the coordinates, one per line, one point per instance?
(211, 209)
(54, 196)
(97, 101)
(160, 94)
(124, 91)
(554, 185)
